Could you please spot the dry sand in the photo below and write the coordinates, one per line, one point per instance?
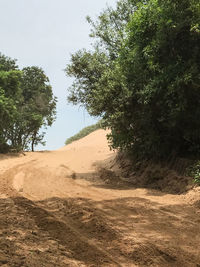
(58, 210)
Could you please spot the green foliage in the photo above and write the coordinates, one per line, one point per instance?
(10, 93)
(26, 104)
(39, 104)
(7, 64)
(194, 171)
(161, 62)
(84, 132)
(109, 29)
(143, 76)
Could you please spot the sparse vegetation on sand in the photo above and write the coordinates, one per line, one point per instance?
(84, 132)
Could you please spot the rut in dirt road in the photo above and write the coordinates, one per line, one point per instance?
(88, 232)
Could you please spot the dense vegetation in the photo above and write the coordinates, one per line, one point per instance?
(26, 104)
(84, 132)
(143, 76)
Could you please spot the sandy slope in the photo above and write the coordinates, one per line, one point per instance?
(57, 210)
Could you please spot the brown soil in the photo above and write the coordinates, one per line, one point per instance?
(58, 210)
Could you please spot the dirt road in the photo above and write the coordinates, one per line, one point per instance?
(56, 210)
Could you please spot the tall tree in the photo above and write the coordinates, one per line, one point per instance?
(142, 76)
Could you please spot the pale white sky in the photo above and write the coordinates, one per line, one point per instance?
(44, 33)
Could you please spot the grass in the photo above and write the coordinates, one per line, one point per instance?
(84, 132)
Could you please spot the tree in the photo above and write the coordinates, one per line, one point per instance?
(10, 94)
(39, 105)
(143, 76)
(97, 75)
(99, 83)
(160, 60)
(26, 105)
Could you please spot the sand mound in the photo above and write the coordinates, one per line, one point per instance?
(96, 139)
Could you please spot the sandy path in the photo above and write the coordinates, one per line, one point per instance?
(56, 211)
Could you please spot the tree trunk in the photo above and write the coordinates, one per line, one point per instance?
(33, 141)
(32, 145)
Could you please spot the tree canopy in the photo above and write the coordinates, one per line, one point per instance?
(26, 104)
(143, 76)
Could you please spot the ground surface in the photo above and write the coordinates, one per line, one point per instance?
(56, 210)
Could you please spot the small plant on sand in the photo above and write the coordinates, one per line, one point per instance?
(194, 171)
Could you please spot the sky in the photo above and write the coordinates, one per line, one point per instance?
(45, 33)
